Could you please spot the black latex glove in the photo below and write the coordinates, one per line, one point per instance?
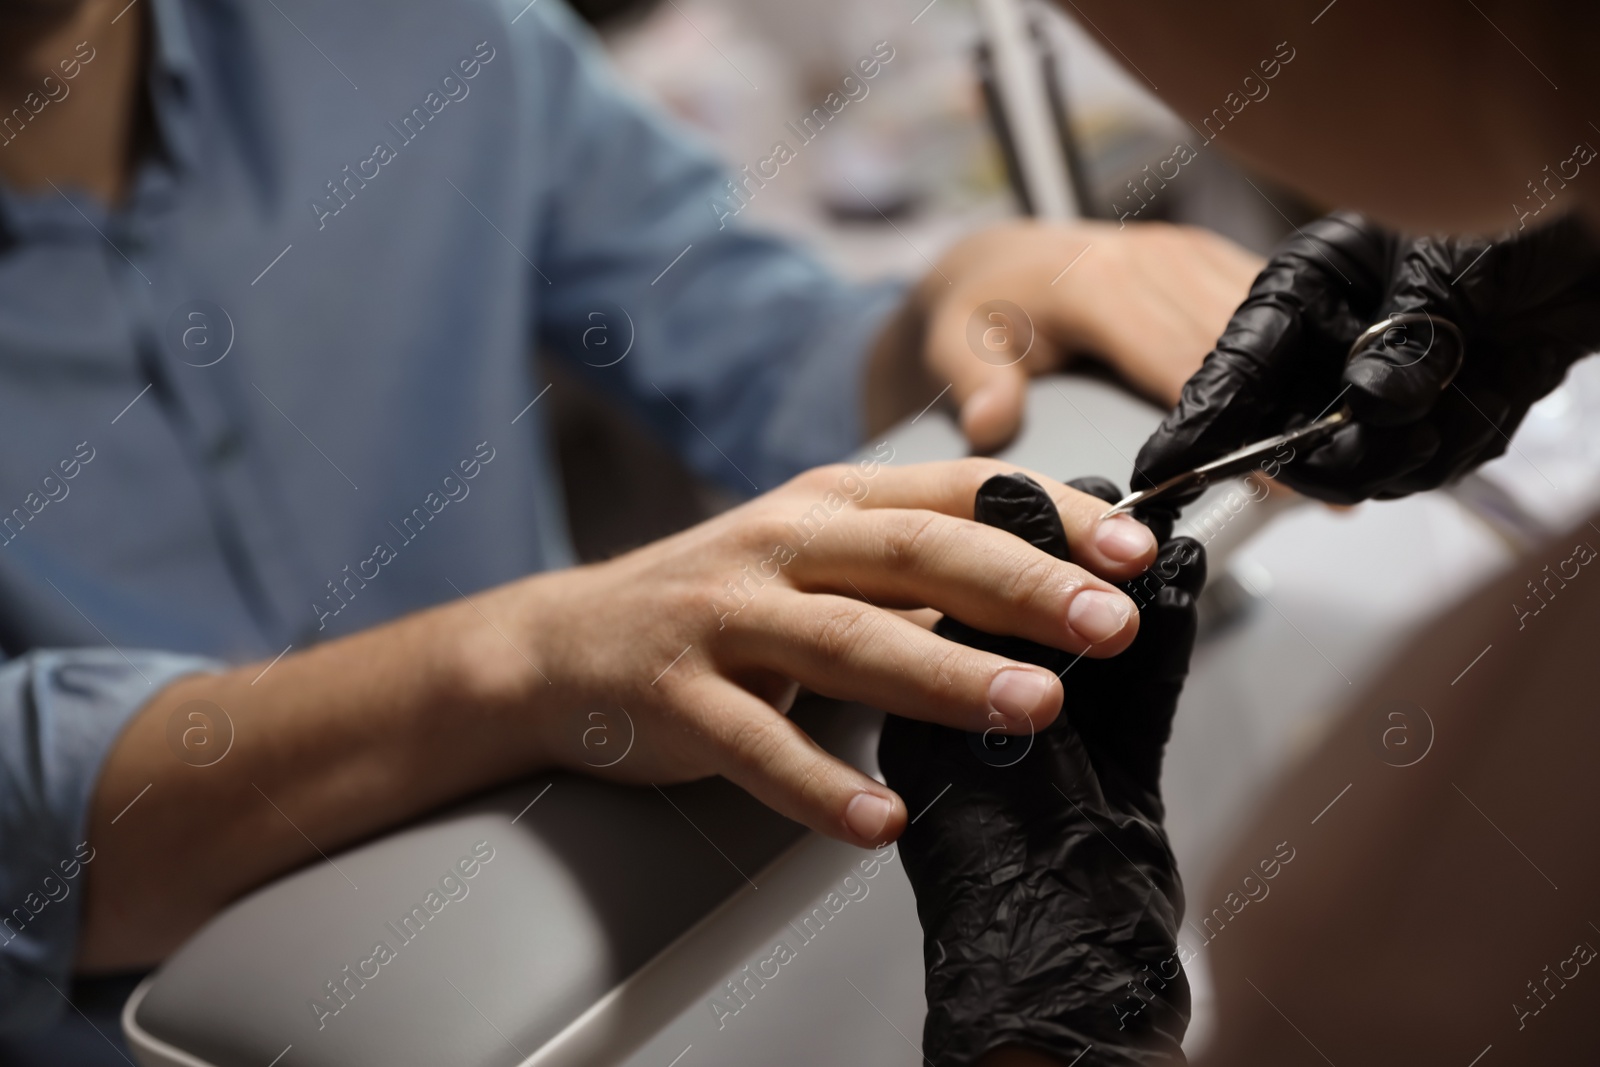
(1048, 894)
(1527, 308)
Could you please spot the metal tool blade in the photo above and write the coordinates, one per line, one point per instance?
(1239, 461)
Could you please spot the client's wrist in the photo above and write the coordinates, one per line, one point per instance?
(486, 654)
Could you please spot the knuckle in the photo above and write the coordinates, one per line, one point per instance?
(753, 742)
(908, 538)
(1033, 581)
(951, 665)
(819, 479)
(842, 631)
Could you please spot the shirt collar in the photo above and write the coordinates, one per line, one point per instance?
(172, 82)
(172, 49)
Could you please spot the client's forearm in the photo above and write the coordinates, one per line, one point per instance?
(327, 746)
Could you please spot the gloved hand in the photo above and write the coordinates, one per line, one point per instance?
(1527, 308)
(1048, 894)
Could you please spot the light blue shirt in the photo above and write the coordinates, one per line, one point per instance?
(283, 392)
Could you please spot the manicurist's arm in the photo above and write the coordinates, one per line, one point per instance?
(1458, 129)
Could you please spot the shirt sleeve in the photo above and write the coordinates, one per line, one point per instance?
(60, 711)
(743, 351)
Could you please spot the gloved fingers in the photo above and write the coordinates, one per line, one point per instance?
(1358, 461)
(1181, 563)
(1230, 401)
(1020, 506)
(1400, 374)
(1493, 449)
(842, 648)
(1158, 518)
(1283, 351)
(908, 762)
(1345, 252)
(1166, 599)
(1227, 402)
(1541, 290)
(1128, 725)
(1469, 424)
(1176, 621)
(1190, 557)
(774, 760)
(924, 762)
(1504, 414)
(1061, 761)
(1527, 308)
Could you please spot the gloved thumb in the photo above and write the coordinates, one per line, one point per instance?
(1397, 376)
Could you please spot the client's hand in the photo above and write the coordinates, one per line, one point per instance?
(1024, 298)
(678, 660)
(672, 662)
(1048, 894)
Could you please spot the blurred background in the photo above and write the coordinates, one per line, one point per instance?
(897, 177)
(914, 164)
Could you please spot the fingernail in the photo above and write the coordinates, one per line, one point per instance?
(1018, 694)
(1097, 616)
(1123, 539)
(867, 815)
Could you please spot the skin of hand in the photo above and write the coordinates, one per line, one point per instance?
(338, 742)
(703, 637)
(1442, 134)
(1022, 298)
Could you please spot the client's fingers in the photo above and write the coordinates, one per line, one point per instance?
(845, 649)
(979, 574)
(1116, 548)
(777, 763)
(989, 390)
